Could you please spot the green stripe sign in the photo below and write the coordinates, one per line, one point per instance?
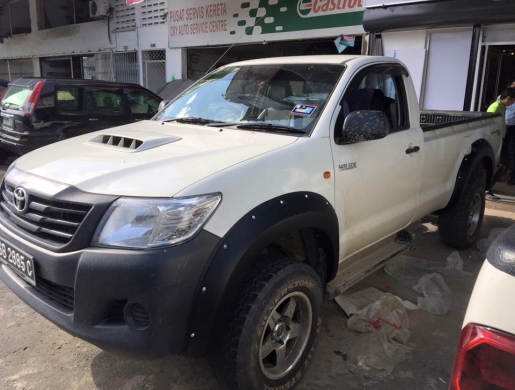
(201, 23)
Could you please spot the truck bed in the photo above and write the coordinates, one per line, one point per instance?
(433, 119)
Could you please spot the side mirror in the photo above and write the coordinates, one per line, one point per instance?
(163, 104)
(364, 125)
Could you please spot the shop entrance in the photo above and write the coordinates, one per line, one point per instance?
(202, 59)
(498, 71)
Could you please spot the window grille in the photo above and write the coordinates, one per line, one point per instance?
(126, 67)
(124, 16)
(154, 69)
(152, 13)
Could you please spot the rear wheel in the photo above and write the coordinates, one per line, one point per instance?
(273, 335)
(460, 225)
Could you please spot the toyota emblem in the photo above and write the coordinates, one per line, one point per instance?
(21, 200)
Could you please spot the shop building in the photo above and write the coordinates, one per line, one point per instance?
(460, 53)
(153, 42)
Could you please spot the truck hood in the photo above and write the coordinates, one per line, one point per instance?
(147, 158)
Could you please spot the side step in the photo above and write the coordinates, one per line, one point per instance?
(360, 265)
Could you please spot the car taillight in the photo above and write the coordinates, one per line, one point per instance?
(3, 93)
(32, 101)
(485, 359)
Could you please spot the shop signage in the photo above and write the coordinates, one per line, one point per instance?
(202, 23)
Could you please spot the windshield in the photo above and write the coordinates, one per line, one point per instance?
(15, 97)
(290, 97)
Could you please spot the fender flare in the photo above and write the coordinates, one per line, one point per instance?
(481, 150)
(240, 247)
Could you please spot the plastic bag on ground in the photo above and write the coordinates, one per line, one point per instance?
(409, 270)
(454, 261)
(373, 356)
(351, 303)
(437, 296)
(407, 304)
(387, 315)
(485, 243)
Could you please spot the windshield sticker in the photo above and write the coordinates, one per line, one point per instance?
(303, 109)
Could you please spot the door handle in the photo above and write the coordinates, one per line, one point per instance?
(414, 149)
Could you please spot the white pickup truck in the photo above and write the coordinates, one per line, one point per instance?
(224, 222)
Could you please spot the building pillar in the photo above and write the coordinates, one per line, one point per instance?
(37, 15)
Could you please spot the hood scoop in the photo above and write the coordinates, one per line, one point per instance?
(125, 142)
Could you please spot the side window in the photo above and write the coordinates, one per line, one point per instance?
(68, 98)
(141, 103)
(103, 101)
(378, 88)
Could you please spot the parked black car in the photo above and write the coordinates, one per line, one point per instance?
(35, 112)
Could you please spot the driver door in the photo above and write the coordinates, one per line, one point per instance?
(377, 181)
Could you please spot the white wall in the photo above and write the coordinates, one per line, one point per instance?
(73, 39)
(410, 47)
(447, 69)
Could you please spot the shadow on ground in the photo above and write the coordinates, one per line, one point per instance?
(110, 372)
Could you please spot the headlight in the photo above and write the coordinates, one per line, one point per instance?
(150, 223)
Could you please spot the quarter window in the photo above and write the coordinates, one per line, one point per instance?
(68, 99)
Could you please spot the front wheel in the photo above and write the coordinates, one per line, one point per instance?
(460, 225)
(272, 338)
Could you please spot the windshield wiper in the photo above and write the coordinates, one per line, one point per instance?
(191, 119)
(270, 127)
(9, 104)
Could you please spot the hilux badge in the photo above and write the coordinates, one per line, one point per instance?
(347, 166)
(21, 200)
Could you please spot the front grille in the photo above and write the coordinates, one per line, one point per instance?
(49, 220)
(63, 296)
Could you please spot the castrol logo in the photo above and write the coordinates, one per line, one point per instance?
(312, 8)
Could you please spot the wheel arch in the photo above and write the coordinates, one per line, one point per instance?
(308, 216)
(482, 155)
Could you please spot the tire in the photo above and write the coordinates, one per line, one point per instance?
(283, 299)
(460, 225)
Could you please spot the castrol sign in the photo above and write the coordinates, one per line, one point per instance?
(206, 23)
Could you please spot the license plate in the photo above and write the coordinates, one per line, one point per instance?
(21, 262)
(8, 121)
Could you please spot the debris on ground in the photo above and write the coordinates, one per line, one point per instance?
(352, 303)
(455, 262)
(386, 314)
(437, 295)
(485, 243)
(425, 277)
(409, 270)
(407, 304)
(373, 356)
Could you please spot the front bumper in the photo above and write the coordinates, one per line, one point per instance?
(106, 283)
